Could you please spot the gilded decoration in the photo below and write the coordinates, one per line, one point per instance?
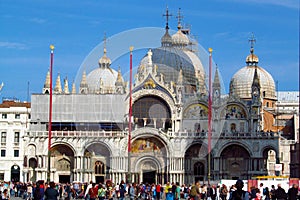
(149, 84)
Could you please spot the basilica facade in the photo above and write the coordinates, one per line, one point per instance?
(169, 135)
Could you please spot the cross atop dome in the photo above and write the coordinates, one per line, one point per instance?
(167, 15)
(179, 18)
(104, 42)
(252, 40)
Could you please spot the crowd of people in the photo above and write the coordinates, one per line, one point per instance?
(122, 191)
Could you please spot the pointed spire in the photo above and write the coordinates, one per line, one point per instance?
(256, 80)
(46, 88)
(83, 84)
(216, 82)
(66, 86)
(58, 88)
(47, 81)
(119, 77)
(73, 88)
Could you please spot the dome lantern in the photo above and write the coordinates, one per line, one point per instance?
(104, 61)
(252, 59)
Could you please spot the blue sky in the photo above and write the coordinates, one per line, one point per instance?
(77, 27)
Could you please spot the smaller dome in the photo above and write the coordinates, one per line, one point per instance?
(180, 39)
(252, 59)
(104, 61)
(102, 78)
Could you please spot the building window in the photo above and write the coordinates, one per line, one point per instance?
(242, 125)
(17, 116)
(17, 137)
(4, 116)
(99, 167)
(3, 137)
(3, 153)
(16, 153)
(1, 176)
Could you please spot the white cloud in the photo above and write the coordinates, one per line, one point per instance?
(294, 4)
(38, 20)
(13, 45)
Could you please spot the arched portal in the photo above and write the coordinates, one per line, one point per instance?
(99, 156)
(195, 160)
(149, 159)
(32, 167)
(62, 159)
(15, 173)
(149, 169)
(235, 162)
(269, 161)
(152, 111)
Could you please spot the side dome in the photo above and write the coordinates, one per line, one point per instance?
(102, 78)
(241, 82)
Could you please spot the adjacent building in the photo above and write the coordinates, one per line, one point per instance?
(14, 124)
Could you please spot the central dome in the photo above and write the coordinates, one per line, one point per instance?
(170, 60)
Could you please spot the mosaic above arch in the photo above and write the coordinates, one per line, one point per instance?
(234, 111)
(195, 111)
(148, 145)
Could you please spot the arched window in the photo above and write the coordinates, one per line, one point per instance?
(233, 127)
(99, 167)
(25, 161)
(148, 108)
(198, 169)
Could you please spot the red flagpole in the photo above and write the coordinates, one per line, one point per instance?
(130, 116)
(50, 114)
(209, 111)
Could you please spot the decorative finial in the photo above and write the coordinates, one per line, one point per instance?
(104, 43)
(179, 17)
(210, 50)
(252, 40)
(167, 15)
(131, 49)
(52, 47)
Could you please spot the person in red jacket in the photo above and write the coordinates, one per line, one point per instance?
(157, 188)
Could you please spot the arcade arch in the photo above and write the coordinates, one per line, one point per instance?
(195, 159)
(235, 162)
